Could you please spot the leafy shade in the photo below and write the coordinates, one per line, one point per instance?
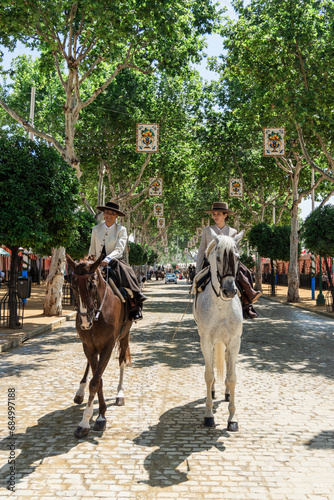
(271, 241)
(39, 195)
(81, 235)
(318, 231)
(136, 254)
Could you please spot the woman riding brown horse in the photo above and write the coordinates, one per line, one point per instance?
(101, 322)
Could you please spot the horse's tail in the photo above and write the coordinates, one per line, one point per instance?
(220, 360)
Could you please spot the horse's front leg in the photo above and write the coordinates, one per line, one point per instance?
(79, 396)
(231, 380)
(207, 350)
(84, 426)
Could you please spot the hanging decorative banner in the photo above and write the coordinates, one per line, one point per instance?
(166, 250)
(158, 209)
(208, 223)
(161, 230)
(199, 231)
(189, 244)
(160, 222)
(236, 188)
(274, 141)
(195, 239)
(186, 250)
(147, 137)
(155, 186)
(164, 237)
(164, 243)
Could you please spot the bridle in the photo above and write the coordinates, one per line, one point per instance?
(93, 311)
(220, 279)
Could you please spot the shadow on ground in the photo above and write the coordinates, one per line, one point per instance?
(178, 435)
(53, 435)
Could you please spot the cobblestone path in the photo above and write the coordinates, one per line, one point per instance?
(155, 446)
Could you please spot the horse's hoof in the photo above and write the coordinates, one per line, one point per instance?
(120, 401)
(232, 426)
(209, 422)
(227, 397)
(213, 394)
(100, 425)
(78, 399)
(81, 432)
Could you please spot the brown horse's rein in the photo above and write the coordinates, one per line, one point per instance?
(97, 313)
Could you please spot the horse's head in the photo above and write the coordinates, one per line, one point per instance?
(223, 255)
(84, 284)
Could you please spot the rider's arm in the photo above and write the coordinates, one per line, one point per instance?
(201, 252)
(119, 249)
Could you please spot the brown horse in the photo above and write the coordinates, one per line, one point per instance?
(100, 323)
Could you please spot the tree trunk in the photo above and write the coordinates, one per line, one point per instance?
(272, 278)
(12, 302)
(258, 273)
(54, 284)
(330, 282)
(293, 276)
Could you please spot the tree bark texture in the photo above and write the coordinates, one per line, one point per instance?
(54, 284)
(293, 275)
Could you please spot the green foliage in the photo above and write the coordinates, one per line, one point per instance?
(81, 234)
(150, 256)
(39, 195)
(318, 231)
(247, 260)
(136, 254)
(271, 241)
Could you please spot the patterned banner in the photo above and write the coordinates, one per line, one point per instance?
(236, 188)
(186, 250)
(195, 239)
(147, 137)
(155, 186)
(164, 237)
(160, 222)
(274, 141)
(189, 244)
(166, 250)
(158, 209)
(164, 243)
(199, 231)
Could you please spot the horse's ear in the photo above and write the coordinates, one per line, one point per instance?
(97, 263)
(210, 247)
(238, 237)
(70, 262)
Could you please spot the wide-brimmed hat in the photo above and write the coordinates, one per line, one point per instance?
(110, 205)
(219, 205)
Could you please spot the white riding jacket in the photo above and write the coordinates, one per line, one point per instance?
(114, 240)
(207, 238)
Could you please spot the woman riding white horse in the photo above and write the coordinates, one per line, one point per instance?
(220, 213)
(218, 314)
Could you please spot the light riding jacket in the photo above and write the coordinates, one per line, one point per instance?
(207, 238)
(113, 238)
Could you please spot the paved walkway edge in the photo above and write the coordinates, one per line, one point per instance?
(19, 338)
(300, 306)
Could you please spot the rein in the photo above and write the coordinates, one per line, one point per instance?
(99, 310)
(220, 281)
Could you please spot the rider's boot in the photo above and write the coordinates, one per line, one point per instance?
(252, 295)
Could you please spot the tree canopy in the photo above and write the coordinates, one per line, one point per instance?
(39, 195)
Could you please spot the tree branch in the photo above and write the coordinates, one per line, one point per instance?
(30, 128)
(307, 157)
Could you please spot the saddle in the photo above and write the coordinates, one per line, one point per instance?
(200, 281)
(131, 310)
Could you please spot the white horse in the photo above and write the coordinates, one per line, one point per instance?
(218, 314)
